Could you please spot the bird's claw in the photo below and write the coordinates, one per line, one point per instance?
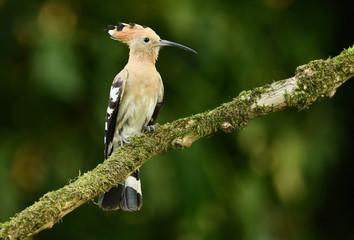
(124, 140)
(150, 127)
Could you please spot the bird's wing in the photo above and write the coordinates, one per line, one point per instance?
(158, 104)
(115, 96)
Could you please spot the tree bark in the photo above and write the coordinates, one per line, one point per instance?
(317, 79)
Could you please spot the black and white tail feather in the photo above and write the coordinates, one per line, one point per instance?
(126, 196)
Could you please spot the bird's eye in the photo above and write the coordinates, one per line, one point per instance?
(146, 39)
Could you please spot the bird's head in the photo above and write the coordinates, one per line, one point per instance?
(142, 40)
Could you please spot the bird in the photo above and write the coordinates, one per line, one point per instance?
(135, 99)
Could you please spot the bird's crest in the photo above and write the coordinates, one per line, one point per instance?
(125, 32)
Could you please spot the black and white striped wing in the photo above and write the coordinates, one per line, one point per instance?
(115, 97)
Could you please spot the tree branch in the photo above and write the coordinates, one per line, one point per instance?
(312, 81)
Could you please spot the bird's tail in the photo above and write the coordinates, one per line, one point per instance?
(126, 196)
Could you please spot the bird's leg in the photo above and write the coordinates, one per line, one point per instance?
(150, 127)
(124, 140)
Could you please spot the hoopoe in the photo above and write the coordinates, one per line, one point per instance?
(136, 96)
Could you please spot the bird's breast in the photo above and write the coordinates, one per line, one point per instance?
(138, 101)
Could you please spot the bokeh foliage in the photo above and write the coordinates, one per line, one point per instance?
(286, 176)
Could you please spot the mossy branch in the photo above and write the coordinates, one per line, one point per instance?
(312, 81)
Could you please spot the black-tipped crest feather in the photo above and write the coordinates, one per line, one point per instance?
(120, 26)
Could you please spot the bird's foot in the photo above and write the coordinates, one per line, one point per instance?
(124, 140)
(150, 127)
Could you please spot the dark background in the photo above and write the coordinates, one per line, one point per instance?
(286, 176)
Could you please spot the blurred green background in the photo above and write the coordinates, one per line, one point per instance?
(286, 176)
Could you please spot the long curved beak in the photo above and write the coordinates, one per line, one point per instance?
(173, 44)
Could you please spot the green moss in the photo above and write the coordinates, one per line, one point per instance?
(245, 93)
(289, 99)
(317, 78)
(345, 54)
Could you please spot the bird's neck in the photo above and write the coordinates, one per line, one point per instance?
(143, 56)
